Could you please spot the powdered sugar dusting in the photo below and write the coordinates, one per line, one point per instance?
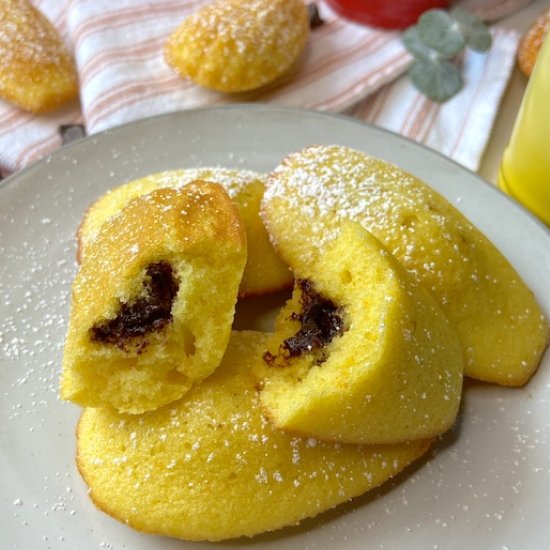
(313, 191)
(218, 442)
(25, 37)
(322, 186)
(235, 45)
(485, 485)
(234, 182)
(36, 71)
(36, 271)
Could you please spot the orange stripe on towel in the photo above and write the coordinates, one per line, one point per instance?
(119, 18)
(132, 52)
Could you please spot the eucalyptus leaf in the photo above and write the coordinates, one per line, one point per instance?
(439, 81)
(464, 18)
(417, 47)
(479, 38)
(475, 32)
(439, 31)
(435, 41)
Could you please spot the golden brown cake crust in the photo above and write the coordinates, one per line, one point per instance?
(154, 298)
(531, 43)
(264, 273)
(502, 328)
(36, 71)
(211, 467)
(239, 45)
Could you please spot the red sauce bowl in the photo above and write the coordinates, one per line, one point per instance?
(388, 14)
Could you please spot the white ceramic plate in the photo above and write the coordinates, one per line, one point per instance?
(487, 486)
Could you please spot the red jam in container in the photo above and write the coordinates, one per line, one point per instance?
(389, 14)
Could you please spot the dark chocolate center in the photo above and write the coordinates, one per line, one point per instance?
(149, 313)
(321, 321)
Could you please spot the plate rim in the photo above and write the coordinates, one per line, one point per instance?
(264, 108)
(63, 151)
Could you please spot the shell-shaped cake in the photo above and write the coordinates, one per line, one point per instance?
(361, 353)
(239, 45)
(212, 467)
(154, 299)
(264, 271)
(501, 327)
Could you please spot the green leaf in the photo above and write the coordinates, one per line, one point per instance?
(436, 39)
(439, 31)
(479, 38)
(464, 18)
(475, 32)
(416, 47)
(439, 81)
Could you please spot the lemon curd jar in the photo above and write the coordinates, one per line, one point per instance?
(525, 169)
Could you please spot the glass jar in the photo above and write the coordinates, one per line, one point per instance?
(525, 169)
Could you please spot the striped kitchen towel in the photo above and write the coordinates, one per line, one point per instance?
(459, 128)
(346, 68)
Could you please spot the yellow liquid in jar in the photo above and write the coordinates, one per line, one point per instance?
(525, 169)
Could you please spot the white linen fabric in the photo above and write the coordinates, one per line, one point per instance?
(350, 68)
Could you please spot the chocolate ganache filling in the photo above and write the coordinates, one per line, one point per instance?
(149, 313)
(321, 321)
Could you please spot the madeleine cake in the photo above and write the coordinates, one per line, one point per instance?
(239, 45)
(154, 298)
(210, 466)
(501, 327)
(264, 271)
(361, 353)
(37, 72)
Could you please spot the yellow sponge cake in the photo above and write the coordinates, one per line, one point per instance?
(211, 467)
(154, 299)
(361, 353)
(239, 45)
(501, 327)
(264, 271)
(37, 72)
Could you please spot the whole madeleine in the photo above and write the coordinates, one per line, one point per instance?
(210, 466)
(503, 330)
(239, 45)
(37, 72)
